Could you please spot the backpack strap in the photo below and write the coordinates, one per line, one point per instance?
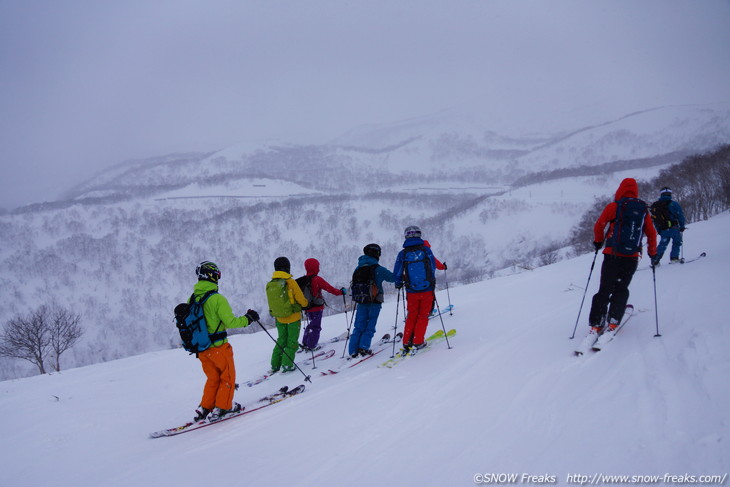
(217, 335)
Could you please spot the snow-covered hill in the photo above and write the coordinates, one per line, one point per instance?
(508, 398)
(483, 199)
(451, 145)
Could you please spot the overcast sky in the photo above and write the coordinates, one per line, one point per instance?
(88, 83)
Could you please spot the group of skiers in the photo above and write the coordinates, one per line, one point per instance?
(414, 270)
(620, 228)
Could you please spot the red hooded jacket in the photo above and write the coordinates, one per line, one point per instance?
(311, 266)
(439, 265)
(627, 189)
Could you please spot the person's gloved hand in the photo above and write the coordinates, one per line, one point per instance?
(445, 266)
(344, 291)
(251, 316)
(598, 245)
(399, 284)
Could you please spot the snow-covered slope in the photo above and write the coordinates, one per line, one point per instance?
(508, 398)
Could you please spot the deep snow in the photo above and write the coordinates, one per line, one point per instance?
(508, 398)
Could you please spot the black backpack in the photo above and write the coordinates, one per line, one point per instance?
(661, 215)
(628, 227)
(305, 284)
(363, 288)
(190, 322)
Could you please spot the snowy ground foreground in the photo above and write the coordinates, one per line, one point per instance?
(508, 398)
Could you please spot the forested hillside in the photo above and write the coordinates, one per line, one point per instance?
(486, 202)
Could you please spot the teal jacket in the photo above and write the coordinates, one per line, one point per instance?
(218, 313)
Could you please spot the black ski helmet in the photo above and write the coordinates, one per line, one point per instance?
(208, 271)
(282, 264)
(666, 191)
(372, 250)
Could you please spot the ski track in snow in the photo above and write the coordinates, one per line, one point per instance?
(510, 397)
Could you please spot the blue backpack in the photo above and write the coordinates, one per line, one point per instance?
(628, 227)
(190, 322)
(417, 269)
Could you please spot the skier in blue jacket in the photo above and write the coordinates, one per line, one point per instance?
(367, 314)
(669, 221)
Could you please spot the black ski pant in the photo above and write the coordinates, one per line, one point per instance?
(613, 293)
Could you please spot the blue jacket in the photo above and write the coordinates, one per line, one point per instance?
(398, 269)
(675, 210)
(381, 273)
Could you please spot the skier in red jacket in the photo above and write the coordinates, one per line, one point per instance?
(314, 314)
(609, 303)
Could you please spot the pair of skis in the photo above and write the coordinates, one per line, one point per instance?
(319, 357)
(681, 261)
(269, 400)
(402, 354)
(597, 342)
(351, 362)
(436, 314)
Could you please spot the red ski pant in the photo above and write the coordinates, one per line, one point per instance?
(419, 308)
(220, 370)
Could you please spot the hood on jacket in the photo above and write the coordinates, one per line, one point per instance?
(366, 260)
(202, 287)
(281, 275)
(627, 189)
(412, 242)
(311, 267)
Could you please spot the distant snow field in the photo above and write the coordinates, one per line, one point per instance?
(248, 188)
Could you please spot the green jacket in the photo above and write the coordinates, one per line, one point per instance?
(218, 313)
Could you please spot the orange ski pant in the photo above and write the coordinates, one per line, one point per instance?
(419, 308)
(220, 370)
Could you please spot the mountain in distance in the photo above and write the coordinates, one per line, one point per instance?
(448, 146)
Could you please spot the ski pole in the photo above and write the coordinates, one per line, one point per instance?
(349, 326)
(451, 308)
(395, 326)
(442, 320)
(405, 314)
(584, 294)
(656, 307)
(306, 377)
(306, 320)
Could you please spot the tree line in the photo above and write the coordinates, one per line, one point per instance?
(700, 183)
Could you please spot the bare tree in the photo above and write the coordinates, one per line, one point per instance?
(34, 337)
(65, 331)
(27, 338)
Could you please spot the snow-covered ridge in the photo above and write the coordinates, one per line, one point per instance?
(445, 145)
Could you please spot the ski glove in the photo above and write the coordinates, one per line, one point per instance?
(399, 284)
(344, 291)
(445, 266)
(252, 316)
(598, 245)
